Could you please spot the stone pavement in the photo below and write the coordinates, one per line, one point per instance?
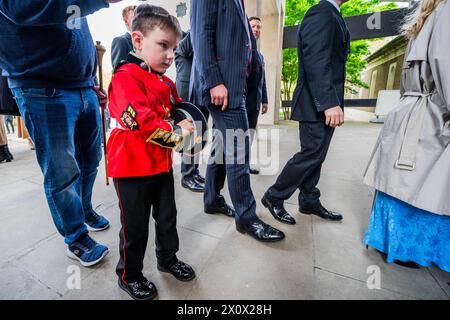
(317, 260)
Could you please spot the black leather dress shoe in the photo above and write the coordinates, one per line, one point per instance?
(139, 290)
(10, 156)
(4, 156)
(321, 212)
(261, 231)
(224, 209)
(254, 171)
(406, 264)
(277, 210)
(192, 184)
(180, 270)
(199, 178)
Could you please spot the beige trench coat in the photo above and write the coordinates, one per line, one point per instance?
(411, 159)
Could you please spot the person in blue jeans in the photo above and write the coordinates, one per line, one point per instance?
(51, 71)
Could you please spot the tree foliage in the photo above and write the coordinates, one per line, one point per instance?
(296, 10)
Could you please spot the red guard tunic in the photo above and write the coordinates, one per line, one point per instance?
(141, 102)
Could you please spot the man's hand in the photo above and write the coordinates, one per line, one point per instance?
(219, 96)
(264, 109)
(334, 117)
(102, 96)
(187, 127)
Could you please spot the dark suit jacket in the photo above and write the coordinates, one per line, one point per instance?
(323, 47)
(220, 37)
(256, 83)
(184, 56)
(120, 48)
(264, 97)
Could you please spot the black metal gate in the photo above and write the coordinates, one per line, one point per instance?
(366, 26)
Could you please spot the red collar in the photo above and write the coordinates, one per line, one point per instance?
(159, 87)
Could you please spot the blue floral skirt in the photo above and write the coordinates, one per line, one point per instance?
(407, 233)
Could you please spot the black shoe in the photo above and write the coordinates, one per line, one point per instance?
(278, 211)
(261, 231)
(139, 290)
(223, 209)
(321, 212)
(406, 264)
(9, 153)
(192, 184)
(180, 270)
(4, 155)
(254, 171)
(199, 178)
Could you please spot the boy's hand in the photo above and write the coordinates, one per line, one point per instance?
(187, 127)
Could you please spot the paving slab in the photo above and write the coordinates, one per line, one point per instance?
(317, 260)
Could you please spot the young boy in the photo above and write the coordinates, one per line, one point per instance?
(140, 152)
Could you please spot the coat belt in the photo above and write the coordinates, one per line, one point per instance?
(408, 150)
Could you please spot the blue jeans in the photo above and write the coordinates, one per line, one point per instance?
(65, 128)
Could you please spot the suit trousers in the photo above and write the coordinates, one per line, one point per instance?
(253, 115)
(230, 159)
(302, 171)
(138, 197)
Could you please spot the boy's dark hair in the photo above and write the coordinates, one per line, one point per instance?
(147, 17)
(254, 18)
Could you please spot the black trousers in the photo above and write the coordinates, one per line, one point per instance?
(137, 198)
(252, 115)
(302, 171)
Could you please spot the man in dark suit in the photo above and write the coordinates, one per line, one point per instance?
(256, 83)
(184, 55)
(122, 45)
(323, 47)
(221, 38)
